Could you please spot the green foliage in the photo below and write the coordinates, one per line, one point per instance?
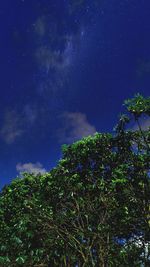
(91, 210)
(138, 105)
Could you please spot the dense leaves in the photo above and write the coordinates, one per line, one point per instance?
(93, 209)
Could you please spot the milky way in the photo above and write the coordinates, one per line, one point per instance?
(66, 67)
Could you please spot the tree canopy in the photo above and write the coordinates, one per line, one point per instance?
(92, 209)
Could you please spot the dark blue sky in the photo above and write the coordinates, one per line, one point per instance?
(66, 67)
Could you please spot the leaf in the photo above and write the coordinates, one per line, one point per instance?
(20, 260)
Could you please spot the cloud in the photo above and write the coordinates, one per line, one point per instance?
(12, 127)
(16, 123)
(60, 34)
(56, 51)
(35, 168)
(30, 113)
(49, 59)
(75, 126)
(56, 44)
(54, 67)
(40, 26)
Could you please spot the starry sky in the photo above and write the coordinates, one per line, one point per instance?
(66, 67)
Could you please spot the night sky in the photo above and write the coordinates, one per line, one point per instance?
(66, 67)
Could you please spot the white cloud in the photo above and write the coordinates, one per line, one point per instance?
(56, 60)
(49, 58)
(30, 167)
(55, 56)
(12, 127)
(75, 126)
(56, 66)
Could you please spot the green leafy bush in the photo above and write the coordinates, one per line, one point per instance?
(91, 210)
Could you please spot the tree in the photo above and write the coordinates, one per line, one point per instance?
(91, 210)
